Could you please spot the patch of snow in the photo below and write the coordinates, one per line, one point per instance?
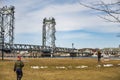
(42, 67)
(118, 64)
(35, 67)
(83, 66)
(108, 65)
(60, 67)
(98, 66)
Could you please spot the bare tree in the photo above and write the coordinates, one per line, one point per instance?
(111, 11)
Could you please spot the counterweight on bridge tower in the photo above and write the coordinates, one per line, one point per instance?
(7, 24)
(48, 34)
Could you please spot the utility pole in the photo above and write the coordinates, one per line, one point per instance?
(72, 47)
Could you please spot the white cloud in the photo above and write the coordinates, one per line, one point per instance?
(55, 10)
(33, 20)
(68, 17)
(79, 35)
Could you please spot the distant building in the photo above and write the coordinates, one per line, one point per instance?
(87, 51)
(111, 51)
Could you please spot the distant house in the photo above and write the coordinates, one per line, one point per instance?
(111, 51)
(87, 51)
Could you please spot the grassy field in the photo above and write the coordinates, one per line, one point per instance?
(61, 69)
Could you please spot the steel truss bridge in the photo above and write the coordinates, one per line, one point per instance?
(7, 44)
(38, 48)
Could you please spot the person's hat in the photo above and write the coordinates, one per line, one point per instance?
(98, 51)
(19, 57)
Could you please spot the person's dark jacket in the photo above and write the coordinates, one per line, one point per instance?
(18, 65)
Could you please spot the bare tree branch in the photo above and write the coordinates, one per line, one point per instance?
(111, 10)
(109, 20)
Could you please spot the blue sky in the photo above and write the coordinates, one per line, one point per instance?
(74, 23)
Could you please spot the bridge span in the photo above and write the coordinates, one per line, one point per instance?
(36, 50)
(39, 48)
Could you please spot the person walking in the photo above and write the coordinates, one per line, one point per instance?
(18, 68)
(99, 56)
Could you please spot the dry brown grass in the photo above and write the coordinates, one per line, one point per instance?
(69, 73)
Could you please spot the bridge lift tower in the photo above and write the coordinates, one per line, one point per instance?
(48, 35)
(6, 26)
